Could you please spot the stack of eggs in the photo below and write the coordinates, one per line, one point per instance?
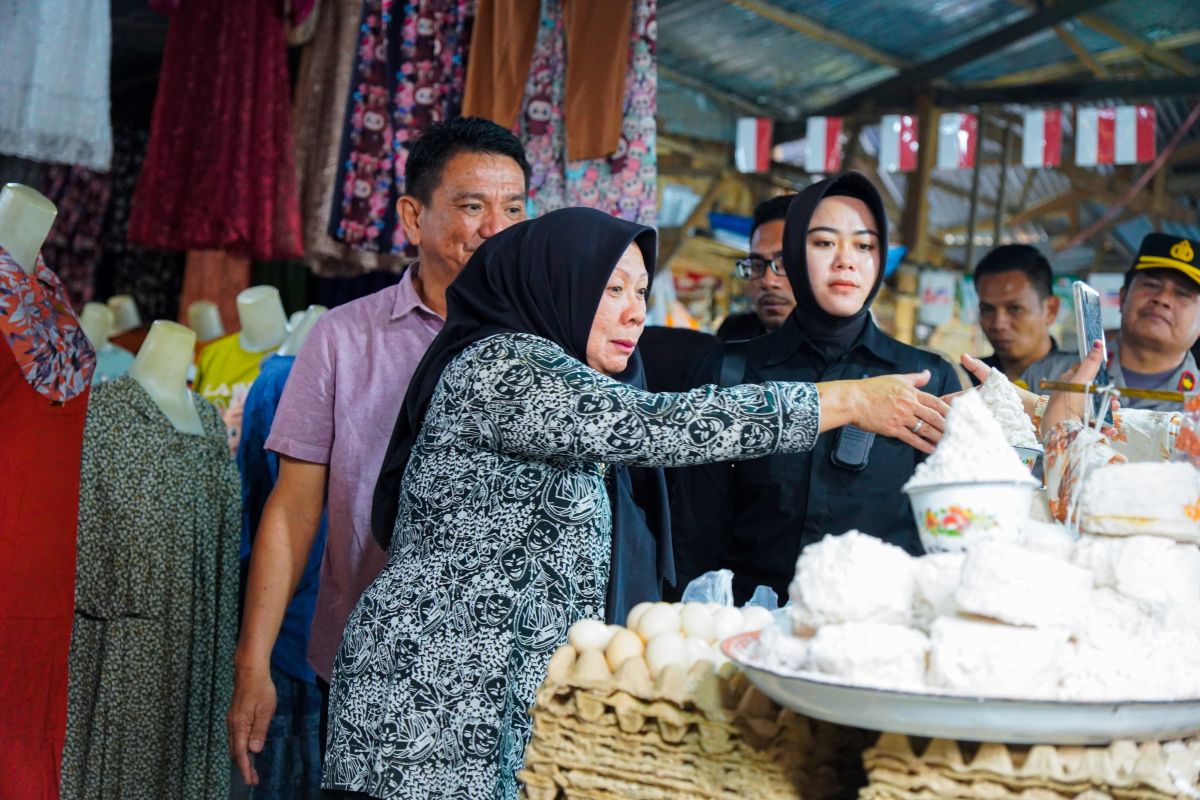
(668, 633)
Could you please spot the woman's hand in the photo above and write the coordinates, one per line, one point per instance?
(980, 371)
(1070, 405)
(890, 405)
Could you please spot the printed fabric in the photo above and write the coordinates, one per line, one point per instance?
(43, 332)
(151, 666)
(55, 81)
(409, 74)
(623, 184)
(219, 172)
(73, 245)
(501, 543)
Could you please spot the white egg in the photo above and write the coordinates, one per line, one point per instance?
(755, 618)
(623, 645)
(660, 619)
(697, 621)
(635, 614)
(589, 634)
(726, 622)
(663, 650)
(697, 650)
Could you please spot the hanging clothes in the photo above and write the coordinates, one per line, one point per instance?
(322, 93)
(220, 173)
(156, 604)
(409, 73)
(73, 246)
(153, 277)
(597, 41)
(55, 81)
(46, 364)
(624, 183)
(217, 277)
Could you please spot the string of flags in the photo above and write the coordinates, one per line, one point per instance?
(1103, 135)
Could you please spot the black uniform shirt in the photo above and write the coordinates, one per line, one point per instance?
(754, 517)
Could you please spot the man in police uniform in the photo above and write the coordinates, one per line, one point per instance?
(1160, 321)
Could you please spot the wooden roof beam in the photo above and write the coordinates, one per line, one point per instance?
(728, 99)
(815, 30)
(923, 73)
(1082, 53)
(1144, 47)
(1106, 58)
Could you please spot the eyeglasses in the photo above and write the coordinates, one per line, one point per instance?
(753, 267)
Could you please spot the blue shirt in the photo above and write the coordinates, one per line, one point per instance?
(260, 470)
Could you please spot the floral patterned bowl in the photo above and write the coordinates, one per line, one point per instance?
(949, 515)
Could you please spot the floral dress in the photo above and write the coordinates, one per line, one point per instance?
(501, 543)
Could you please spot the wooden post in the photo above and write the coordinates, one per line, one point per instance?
(914, 224)
(998, 224)
(973, 213)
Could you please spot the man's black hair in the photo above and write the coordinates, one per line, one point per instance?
(1019, 258)
(439, 143)
(770, 209)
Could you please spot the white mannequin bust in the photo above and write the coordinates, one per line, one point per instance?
(96, 321)
(125, 314)
(300, 331)
(205, 319)
(264, 323)
(294, 319)
(161, 368)
(25, 220)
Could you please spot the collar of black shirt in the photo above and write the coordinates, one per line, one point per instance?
(872, 342)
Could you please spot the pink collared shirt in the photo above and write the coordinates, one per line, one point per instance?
(338, 408)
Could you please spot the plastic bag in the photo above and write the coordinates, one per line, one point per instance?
(1187, 443)
(717, 587)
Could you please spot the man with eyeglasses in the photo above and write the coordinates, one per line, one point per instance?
(770, 290)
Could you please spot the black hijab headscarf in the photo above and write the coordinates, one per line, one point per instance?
(832, 335)
(545, 277)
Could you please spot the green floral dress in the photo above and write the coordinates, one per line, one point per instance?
(151, 665)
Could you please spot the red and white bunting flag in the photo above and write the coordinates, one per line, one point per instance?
(957, 134)
(1042, 142)
(898, 143)
(1114, 135)
(824, 139)
(752, 146)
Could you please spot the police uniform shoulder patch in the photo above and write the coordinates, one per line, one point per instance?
(1187, 381)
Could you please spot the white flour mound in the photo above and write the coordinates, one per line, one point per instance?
(973, 449)
(1001, 398)
(854, 577)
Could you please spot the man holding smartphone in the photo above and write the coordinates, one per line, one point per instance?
(1160, 321)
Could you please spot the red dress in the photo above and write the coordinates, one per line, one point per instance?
(45, 369)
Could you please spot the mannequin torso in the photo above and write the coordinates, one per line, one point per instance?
(205, 319)
(96, 321)
(125, 313)
(25, 219)
(161, 369)
(299, 333)
(264, 323)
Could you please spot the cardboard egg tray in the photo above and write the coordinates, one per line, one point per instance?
(700, 733)
(946, 769)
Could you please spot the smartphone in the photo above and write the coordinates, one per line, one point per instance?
(1089, 328)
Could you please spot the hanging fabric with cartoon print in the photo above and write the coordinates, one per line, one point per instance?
(622, 183)
(408, 74)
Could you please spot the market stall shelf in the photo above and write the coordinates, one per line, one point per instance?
(952, 716)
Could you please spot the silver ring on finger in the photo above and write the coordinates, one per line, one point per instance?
(916, 428)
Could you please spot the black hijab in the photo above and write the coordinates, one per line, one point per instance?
(545, 277)
(832, 335)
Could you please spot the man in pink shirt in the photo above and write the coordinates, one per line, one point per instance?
(466, 180)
